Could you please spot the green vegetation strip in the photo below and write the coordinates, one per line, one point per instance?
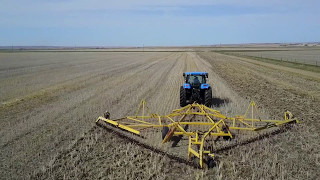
(296, 65)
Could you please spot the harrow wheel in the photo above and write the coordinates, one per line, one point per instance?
(211, 163)
(165, 131)
(106, 115)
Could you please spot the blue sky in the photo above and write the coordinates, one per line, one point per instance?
(157, 23)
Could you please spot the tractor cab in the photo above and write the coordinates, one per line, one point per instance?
(195, 79)
(195, 89)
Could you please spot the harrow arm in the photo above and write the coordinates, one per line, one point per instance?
(115, 123)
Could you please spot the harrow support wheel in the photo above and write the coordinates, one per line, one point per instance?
(210, 162)
(165, 131)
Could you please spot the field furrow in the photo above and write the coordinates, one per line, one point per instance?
(50, 101)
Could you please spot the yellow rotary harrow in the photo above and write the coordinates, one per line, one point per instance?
(197, 122)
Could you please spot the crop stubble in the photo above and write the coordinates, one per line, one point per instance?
(55, 137)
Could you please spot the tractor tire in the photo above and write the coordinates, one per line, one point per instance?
(165, 131)
(183, 97)
(208, 97)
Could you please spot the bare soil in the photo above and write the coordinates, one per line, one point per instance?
(51, 100)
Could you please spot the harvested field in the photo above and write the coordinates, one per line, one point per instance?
(303, 56)
(50, 100)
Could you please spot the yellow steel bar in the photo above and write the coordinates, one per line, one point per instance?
(159, 118)
(170, 119)
(245, 114)
(184, 113)
(133, 119)
(201, 108)
(208, 117)
(257, 120)
(198, 123)
(180, 128)
(219, 134)
(197, 143)
(113, 120)
(184, 116)
(119, 125)
(143, 110)
(172, 124)
(201, 155)
(262, 120)
(144, 125)
(189, 147)
(139, 107)
(212, 110)
(184, 133)
(193, 141)
(171, 132)
(197, 113)
(144, 106)
(245, 123)
(229, 133)
(202, 142)
(154, 116)
(193, 134)
(196, 138)
(252, 115)
(220, 116)
(181, 109)
(241, 128)
(194, 152)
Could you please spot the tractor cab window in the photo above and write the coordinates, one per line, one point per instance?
(196, 79)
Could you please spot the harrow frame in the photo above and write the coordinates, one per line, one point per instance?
(216, 124)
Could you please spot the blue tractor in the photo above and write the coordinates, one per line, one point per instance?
(195, 89)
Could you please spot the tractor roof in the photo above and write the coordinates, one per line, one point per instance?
(196, 73)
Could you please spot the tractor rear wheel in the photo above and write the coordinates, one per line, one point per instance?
(208, 97)
(183, 97)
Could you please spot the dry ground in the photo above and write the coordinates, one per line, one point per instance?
(306, 56)
(50, 102)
